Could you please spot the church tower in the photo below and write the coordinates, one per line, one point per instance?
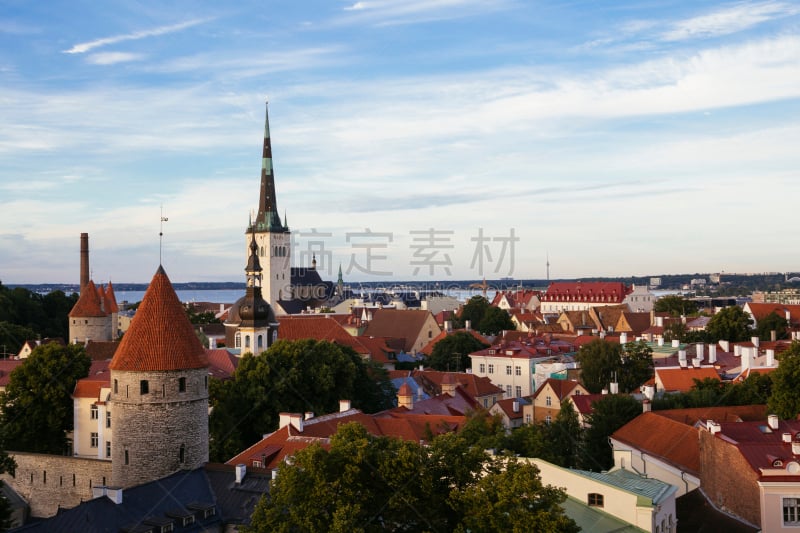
(272, 238)
(251, 325)
(159, 392)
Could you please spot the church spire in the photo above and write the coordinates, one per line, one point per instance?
(268, 218)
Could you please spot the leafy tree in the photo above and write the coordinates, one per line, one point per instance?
(603, 362)
(452, 352)
(768, 324)
(473, 311)
(37, 407)
(598, 362)
(366, 483)
(204, 317)
(675, 305)
(292, 376)
(565, 436)
(484, 430)
(785, 401)
(531, 440)
(608, 415)
(495, 321)
(12, 336)
(730, 323)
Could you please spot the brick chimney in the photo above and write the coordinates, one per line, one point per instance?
(84, 260)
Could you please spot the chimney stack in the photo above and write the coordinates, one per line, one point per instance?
(84, 260)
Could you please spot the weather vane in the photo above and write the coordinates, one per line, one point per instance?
(161, 233)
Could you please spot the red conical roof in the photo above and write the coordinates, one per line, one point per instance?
(111, 300)
(88, 304)
(160, 336)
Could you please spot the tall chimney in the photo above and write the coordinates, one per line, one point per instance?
(84, 260)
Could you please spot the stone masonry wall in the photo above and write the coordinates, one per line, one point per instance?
(153, 427)
(727, 479)
(48, 482)
(94, 328)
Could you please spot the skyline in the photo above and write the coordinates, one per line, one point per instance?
(608, 140)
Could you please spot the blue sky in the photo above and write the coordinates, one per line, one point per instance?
(617, 138)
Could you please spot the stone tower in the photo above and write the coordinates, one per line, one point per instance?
(94, 315)
(251, 325)
(272, 237)
(159, 391)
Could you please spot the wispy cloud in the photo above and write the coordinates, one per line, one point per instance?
(394, 12)
(82, 48)
(729, 20)
(111, 58)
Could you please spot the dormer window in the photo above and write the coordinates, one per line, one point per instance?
(777, 463)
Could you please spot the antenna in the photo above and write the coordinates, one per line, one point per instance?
(161, 233)
(548, 266)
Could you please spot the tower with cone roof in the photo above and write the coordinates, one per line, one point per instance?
(94, 315)
(272, 237)
(159, 391)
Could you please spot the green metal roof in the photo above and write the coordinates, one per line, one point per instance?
(594, 520)
(649, 491)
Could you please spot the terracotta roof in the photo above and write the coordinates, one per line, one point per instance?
(659, 436)
(98, 377)
(476, 386)
(111, 300)
(6, 367)
(762, 310)
(101, 350)
(160, 336)
(682, 379)
(583, 402)
(586, 291)
(398, 323)
(88, 304)
(221, 363)
(329, 328)
(761, 446)
(733, 413)
(507, 406)
(377, 348)
(637, 322)
(561, 387)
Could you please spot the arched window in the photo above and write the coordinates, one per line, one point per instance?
(238, 340)
(247, 341)
(116, 386)
(260, 341)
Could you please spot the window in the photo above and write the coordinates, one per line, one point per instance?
(181, 384)
(95, 440)
(491, 369)
(93, 412)
(508, 391)
(127, 458)
(527, 419)
(182, 454)
(116, 386)
(144, 387)
(548, 401)
(791, 511)
(486, 403)
(595, 499)
(518, 391)
(518, 370)
(187, 520)
(482, 368)
(108, 419)
(238, 340)
(508, 370)
(108, 449)
(548, 419)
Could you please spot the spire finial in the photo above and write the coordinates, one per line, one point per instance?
(161, 233)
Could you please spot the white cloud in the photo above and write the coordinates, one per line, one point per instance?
(729, 20)
(111, 58)
(82, 48)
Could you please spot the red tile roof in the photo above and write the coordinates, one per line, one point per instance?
(561, 387)
(221, 363)
(431, 382)
(682, 379)
(404, 324)
(111, 300)
(428, 348)
(160, 336)
(88, 304)
(6, 367)
(587, 291)
(659, 436)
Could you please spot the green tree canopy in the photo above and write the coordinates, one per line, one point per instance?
(37, 406)
(366, 483)
(730, 324)
(452, 352)
(473, 311)
(608, 415)
(675, 305)
(291, 376)
(602, 362)
(495, 321)
(772, 322)
(785, 399)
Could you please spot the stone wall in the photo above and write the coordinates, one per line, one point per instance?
(48, 482)
(93, 327)
(161, 431)
(727, 479)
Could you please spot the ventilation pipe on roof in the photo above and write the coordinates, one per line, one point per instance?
(770, 357)
(468, 325)
(756, 341)
(646, 406)
(683, 363)
(515, 406)
(713, 427)
(737, 350)
(241, 470)
(712, 353)
(700, 350)
(725, 345)
(682, 355)
(773, 421)
(787, 438)
(623, 338)
(613, 387)
(660, 321)
(675, 343)
(661, 341)
(773, 335)
(795, 448)
(344, 405)
(696, 362)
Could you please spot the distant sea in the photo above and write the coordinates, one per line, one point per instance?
(226, 296)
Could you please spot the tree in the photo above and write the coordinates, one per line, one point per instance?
(12, 336)
(565, 436)
(598, 362)
(785, 401)
(675, 305)
(473, 311)
(495, 321)
(768, 324)
(608, 415)
(636, 366)
(368, 483)
(291, 376)
(730, 323)
(37, 407)
(452, 352)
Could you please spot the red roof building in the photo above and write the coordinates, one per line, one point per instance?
(575, 296)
